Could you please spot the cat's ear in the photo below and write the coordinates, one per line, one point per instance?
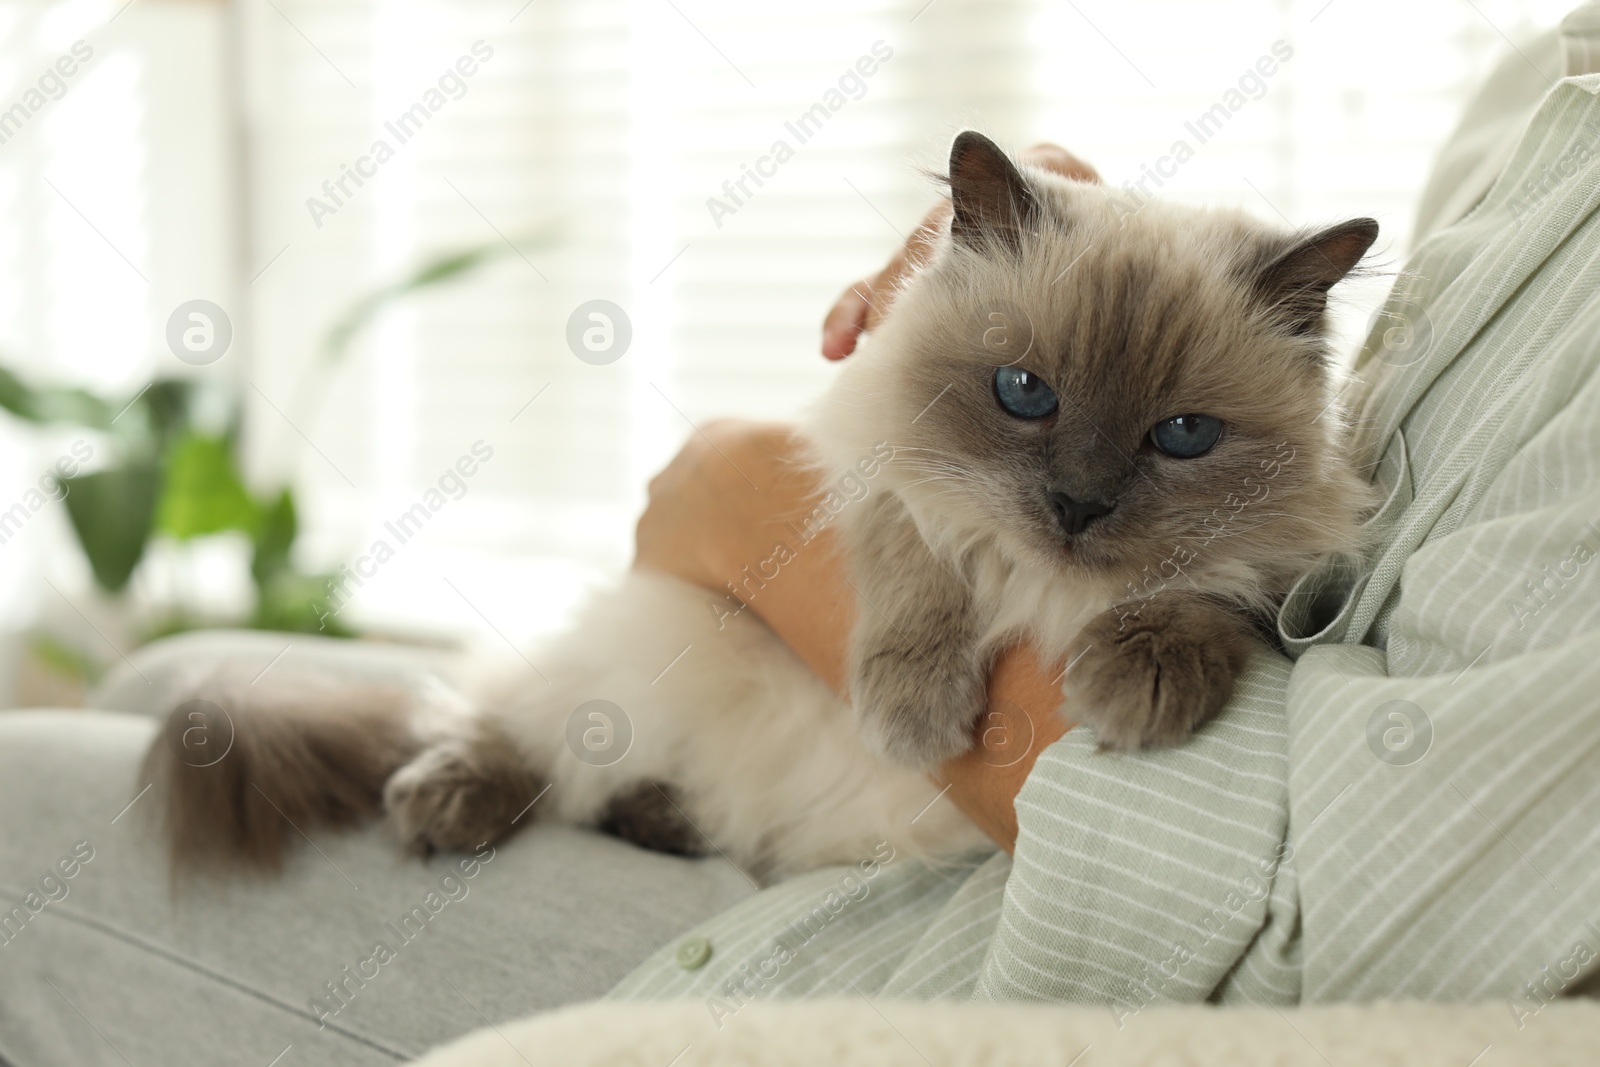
(993, 202)
(1295, 285)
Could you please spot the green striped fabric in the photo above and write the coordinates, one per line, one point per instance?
(1403, 807)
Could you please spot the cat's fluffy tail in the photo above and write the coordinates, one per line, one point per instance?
(240, 775)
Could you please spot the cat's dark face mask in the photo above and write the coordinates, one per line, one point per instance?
(1118, 388)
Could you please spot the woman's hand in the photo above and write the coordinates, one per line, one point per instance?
(861, 307)
(1022, 720)
(722, 505)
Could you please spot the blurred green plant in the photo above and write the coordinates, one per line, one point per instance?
(63, 658)
(170, 476)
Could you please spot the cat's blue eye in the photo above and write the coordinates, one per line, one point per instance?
(1023, 393)
(1186, 436)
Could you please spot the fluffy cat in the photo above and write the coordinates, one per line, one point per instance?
(1100, 429)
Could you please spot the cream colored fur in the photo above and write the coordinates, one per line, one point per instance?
(769, 761)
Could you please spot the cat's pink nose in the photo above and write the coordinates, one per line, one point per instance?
(1076, 515)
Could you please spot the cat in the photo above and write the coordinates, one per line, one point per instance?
(1107, 429)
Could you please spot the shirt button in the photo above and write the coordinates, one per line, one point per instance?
(693, 953)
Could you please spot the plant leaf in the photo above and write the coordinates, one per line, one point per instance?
(165, 407)
(111, 511)
(431, 273)
(203, 492)
(37, 404)
(274, 537)
(297, 603)
(64, 659)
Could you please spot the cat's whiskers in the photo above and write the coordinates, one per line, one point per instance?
(940, 467)
(932, 478)
(1261, 520)
(939, 453)
(946, 468)
(1306, 519)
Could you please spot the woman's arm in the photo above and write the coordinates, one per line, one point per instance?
(722, 504)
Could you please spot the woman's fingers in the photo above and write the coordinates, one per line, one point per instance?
(846, 319)
(914, 253)
(862, 306)
(1053, 157)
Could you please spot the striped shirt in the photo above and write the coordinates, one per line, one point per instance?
(1404, 804)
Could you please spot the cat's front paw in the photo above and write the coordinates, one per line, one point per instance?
(1149, 674)
(915, 709)
(459, 795)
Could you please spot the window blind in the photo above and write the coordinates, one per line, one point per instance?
(601, 146)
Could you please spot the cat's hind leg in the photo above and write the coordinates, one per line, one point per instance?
(651, 815)
(464, 791)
